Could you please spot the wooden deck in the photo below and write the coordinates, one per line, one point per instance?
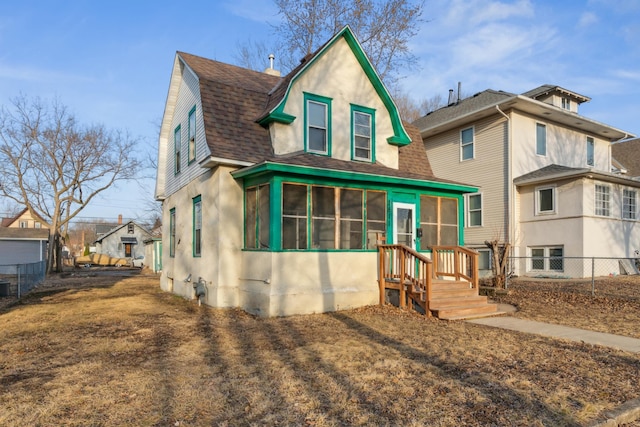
(445, 285)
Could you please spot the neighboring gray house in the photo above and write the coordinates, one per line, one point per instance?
(124, 241)
(23, 245)
(626, 155)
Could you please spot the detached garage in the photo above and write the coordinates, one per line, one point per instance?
(23, 245)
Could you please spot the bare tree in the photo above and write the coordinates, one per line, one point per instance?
(383, 27)
(55, 167)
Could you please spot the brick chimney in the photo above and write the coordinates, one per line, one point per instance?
(120, 219)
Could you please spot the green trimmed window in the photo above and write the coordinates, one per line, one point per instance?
(192, 134)
(322, 217)
(317, 116)
(467, 151)
(438, 221)
(177, 143)
(172, 232)
(197, 226)
(362, 133)
(257, 218)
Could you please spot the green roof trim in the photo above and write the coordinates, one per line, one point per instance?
(277, 116)
(320, 173)
(400, 137)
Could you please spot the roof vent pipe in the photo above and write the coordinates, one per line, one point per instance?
(450, 97)
(270, 70)
(459, 89)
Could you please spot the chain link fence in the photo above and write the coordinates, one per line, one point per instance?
(580, 274)
(18, 279)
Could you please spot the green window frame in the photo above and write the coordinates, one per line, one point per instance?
(257, 217)
(320, 217)
(177, 144)
(192, 135)
(172, 232)
(467, 145)
(317, 124)
(363, 133)
(197, 226)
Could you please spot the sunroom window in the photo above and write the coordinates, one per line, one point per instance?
(294, 216)
(438, 221)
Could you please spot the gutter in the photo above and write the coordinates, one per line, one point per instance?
(510, 233)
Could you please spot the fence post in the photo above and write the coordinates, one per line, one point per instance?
(593, 276)
(18, 274)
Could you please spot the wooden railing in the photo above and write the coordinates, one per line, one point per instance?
(456, 262)
(404, 269)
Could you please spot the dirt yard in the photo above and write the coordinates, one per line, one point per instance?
(114, 351)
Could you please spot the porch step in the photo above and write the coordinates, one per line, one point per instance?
(471, 301)
(466, 312)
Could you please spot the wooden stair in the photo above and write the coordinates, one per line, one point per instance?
(451, 299)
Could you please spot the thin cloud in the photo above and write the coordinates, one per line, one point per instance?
(254, 10)
(587, 19)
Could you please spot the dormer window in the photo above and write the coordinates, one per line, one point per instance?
(566, 103)
(362, 134)
(317, 124)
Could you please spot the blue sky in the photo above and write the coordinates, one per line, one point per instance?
(110, 62)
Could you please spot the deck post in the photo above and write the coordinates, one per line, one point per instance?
(403, 294)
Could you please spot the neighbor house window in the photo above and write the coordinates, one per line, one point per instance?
(257, 218)
(547, 258)
(629, 206)
(541, 139)
(590, 151)
(474, 210)
(192, 134)
(545, 200)
(340, 218)
(438, 221)
(484, 259)
(172, 232)
(177, 142)
(197, 226)
(603, 200)
(24, 224)
(130, 228)
(466, 144)
(317, 124)
(362, 137)
(37, 225)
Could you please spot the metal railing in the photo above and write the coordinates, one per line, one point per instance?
(18, 279)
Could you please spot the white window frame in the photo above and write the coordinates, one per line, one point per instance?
(468, 209)
(591, 142)
(629, 202)
(489, 259)
(472, 144)
(554, 195)
(546, 258)
(538, 125)
(605, 209)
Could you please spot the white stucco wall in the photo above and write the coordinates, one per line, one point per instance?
(347, 85)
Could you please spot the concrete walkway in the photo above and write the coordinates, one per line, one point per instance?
(557, 331)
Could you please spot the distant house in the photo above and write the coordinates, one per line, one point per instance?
(123, 241)
(548, 182)
(275, 190)
(25, 219)
(23, 245)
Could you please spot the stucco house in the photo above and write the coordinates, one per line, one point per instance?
(547, 180)
(275, 189)
(123, 241)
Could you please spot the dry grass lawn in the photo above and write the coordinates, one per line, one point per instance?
(117, 351)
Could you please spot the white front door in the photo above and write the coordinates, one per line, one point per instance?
(404, 224)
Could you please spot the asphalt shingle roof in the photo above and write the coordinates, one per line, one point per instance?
(627, 153)
(235, 98)
(476, 102)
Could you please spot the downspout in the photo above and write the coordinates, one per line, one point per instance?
(510, 233)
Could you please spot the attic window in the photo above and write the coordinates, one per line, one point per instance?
(566, 103)
(130, 228)
(317, 124)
